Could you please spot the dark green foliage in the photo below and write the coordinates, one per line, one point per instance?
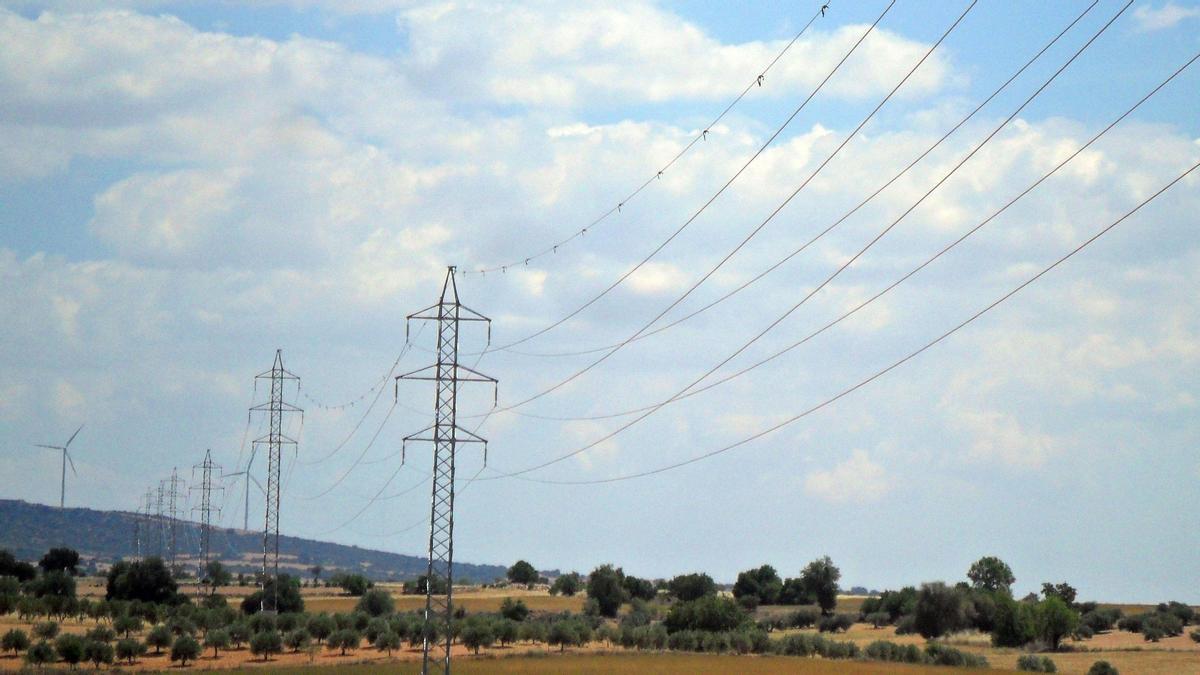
(101, 634)
(184, 649)
(346, 638)
(239, 632)
(374, 628)
(568, 633)
(477, 632)
(882, 650)
(60, 559)
(387, 641)
(1054, 619)
(820, 580)
(129, 649)
(939, 610)
(506, 631)
(47, 630)
(940, 655)
(762, 583)
(355, 584)
(606, 585)
(266, 643)
(15, 640)
(376, 602)
(1102, 668)
(40, 654)
(515, 610)
(793, 592)
(217, 639)
(321, 626)
(11, 567)
(991, 574)
(803, 618)
(710, 613)
(835, 622)
(55, 584)
(1100, 620)
(1195, 635)
(159, 637)
(1032, 663)
(807, 644)
(288, 596)
(98, 653)
(69, 648)
(1185, 613)
(261, 623)
(1064, 591)
(215, 575)
(417, 586)
(299, 638)
(1013, 623)
(878, 619)
(522, 573)
(567, 584)
(693, 586)
(639, 588)
(147, 580)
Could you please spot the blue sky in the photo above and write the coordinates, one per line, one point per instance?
(185, 187)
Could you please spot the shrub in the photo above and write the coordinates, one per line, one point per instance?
(375, 602)
(298, 639)
(940, 655)
(98, 653)
(217, 639)
(1132, 623)
(1012, 624)
(101, 634)
(159, 637)
(803, 618)
(709, 613)
(1033, 663)
(40, 654)
(878, 619)
(69, 648)
(1184, 613)
(515, 610)
(344, 639)
(239, 632)
(47, 630)
(15, 641)
(478, 633)
(907, 625)
(129, 649)
(835, 623)
(939, 610)
(266, 643)
(387, 641)
(1102, 668)
(1195, 635)
(321, 626)
(185, 649)
(882, 650)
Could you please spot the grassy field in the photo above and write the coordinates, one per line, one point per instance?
(650, 664)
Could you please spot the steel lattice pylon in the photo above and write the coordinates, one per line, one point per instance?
(274, 440)
(445, 434)
(206, 507)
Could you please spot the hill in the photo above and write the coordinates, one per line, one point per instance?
(102, 537)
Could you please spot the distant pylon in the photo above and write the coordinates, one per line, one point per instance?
(205, 507)
(145, 528)
(274, 440)
(160, 522)
(172, 513)
(445, 434)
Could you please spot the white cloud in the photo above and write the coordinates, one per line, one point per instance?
(1150, 18)
(857, 479)
(1001, 438)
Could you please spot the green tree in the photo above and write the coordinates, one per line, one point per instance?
(762, 583)
(266, 643)
(636, 587)
(506, 631)
(217, 639)
(147, 580)
(477, 632)
(18, 569)
(1054, 620)
(15, 640)
(1102, 668)
(515, 610)
(344, 639)
(939, 610)
(1012, 625)
(387, 641)
(40, 654)
(60, 560)
(321, 626)
(297, 639)
(563, 633)
(1063, 591)
(215, 575)
(567, 584)
(691, 586)
(129, 649)
(126, 624)
(354, 584)
(990, 573)
(69, 648)
(159, 637)
(522, 573)
(606, 585)
(98, 653)
(239, 632)
(185, 649)
(286, 599)
(46, 630)
(820, 579)
(376, 602)
(708, 613)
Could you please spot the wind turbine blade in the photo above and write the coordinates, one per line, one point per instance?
(52, 447)
(73, 436)
(71, 462)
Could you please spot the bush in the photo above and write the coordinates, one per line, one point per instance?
(515, 610)
(803, 618)
(387, 641)
(940, 655)
(185, 649)
(1102, 668)
(1033, 663)
(129, 649)
(298, 639)
(939, 610)
(40, 654)
(47, 630)
(1184, 613)
(344, 639)
(217, 639)
(835, 623)
(1195, 635)
(478, 633)
(907, 625)
(98, 653)
(375, 602)
(709, 613)
(266, 643)
(687, 587)
(878, 619)
(882, 650)
(69, 648)
(1012, 625)
(321, 626)
(15, 641)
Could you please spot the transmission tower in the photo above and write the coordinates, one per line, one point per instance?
(274, 440)
(160, 522)
(206, 507)
(144, 528)
(172, 513)
(445, 434)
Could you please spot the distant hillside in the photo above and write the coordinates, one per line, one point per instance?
(101, 537)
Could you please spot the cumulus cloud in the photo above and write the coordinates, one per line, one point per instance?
(1151, 18)
(857, 479)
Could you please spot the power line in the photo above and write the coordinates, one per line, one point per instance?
(702, 135)
(785, 259)
(884, 371)
(754, 232)
(683, 393)
(710, 200)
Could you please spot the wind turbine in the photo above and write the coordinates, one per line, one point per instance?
(66, 457)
